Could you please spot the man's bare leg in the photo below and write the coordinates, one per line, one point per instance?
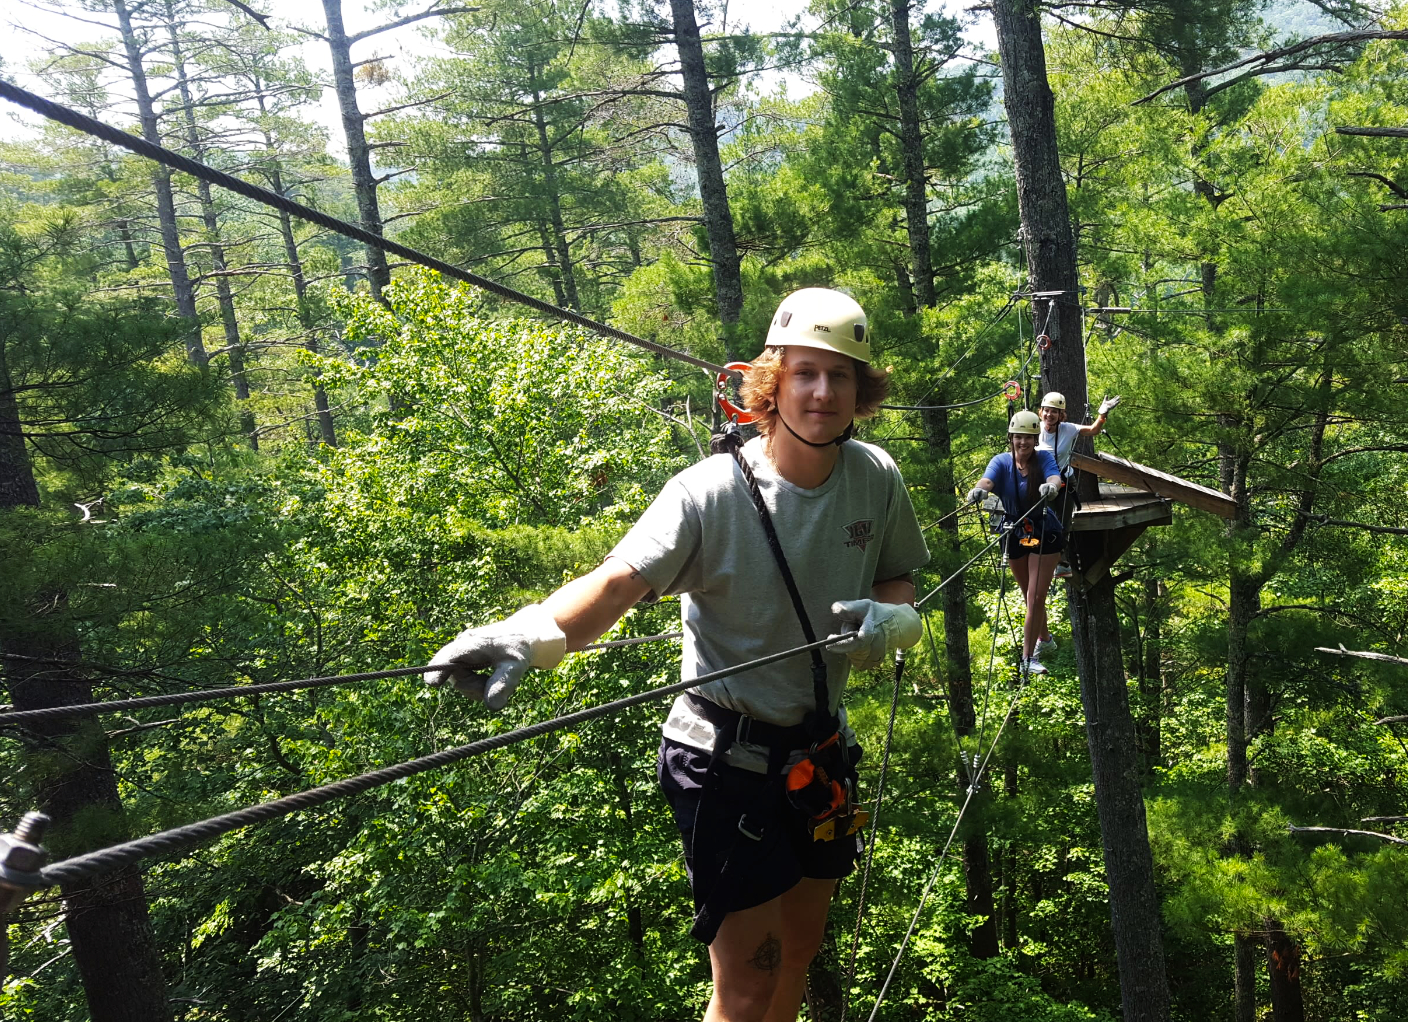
(804, 910)
(747, 960)
(761, 954)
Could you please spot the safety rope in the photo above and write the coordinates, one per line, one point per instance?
(140, 146)
(104, 860)
(240, 691)
(900, 656)
(978, 773)
(1001, 315)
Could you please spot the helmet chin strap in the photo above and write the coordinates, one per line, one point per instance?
(849, 432)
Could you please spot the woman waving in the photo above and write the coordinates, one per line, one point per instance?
(1026, 480)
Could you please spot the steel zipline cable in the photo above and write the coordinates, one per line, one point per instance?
(103, 860)
(140, 146)
(938, 866)
(240, 691)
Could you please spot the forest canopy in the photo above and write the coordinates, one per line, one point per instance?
(239, 448)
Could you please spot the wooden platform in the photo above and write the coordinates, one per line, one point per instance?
(1130, 473)
(1132, 497)
(1103, 529)
(1120, 507)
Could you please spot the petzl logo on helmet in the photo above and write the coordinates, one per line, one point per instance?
(861, 532)
(822, 327)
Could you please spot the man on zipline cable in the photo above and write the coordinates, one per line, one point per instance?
(801, 524)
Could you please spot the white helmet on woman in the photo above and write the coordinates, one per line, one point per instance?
(1024, 423)
(818, 317)
(1054, 399)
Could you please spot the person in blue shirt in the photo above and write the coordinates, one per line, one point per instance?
(1026, 480)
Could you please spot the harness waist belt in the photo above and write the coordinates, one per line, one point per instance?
(739, 727)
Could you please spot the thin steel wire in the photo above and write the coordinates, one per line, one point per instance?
(240, 691)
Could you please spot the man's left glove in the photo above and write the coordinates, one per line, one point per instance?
(1108, 404)
(882, 627)
(530, 638)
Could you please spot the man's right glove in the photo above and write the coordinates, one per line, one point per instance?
(1049, 491)
(977, 495)
(530, 638)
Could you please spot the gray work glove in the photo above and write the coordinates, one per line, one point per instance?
(495, 657)
(977, 495)
(882, 627)
(1049, 491)
(1108, 404)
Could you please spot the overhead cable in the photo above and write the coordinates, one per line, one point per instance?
(104, 860)
(140, 146)
(239, 691)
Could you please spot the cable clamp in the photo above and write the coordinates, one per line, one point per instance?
(21, 858)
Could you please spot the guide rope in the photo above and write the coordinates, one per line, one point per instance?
(239, 691)
(978, 773)
(104, 860)
(140, 146)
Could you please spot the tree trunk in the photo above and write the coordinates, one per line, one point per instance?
(1243, 978)
(916, 196)
(300, 285)
(703, 132)
(70, 774)
(233, 345)
(958, 673)
(1129, 864)
(364, 184)
(1283, 966)
(161, 182)
(554, 202)
(1051, 263)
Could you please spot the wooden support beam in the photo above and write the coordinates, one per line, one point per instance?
(1363, 655)
(1108, 546)
(1107, 466)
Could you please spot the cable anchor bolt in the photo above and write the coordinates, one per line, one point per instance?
(21, 858)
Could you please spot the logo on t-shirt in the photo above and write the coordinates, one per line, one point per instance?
(860, 532)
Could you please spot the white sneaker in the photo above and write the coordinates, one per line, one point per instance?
(1063, 570)
(1033, 666)
(1044, 646)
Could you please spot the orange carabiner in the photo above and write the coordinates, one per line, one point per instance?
(731, 411)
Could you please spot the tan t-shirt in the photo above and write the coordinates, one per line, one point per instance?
(701, 540)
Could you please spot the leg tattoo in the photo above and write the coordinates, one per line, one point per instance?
(768, 957)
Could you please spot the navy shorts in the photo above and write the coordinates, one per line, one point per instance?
(1052, 542)
(757, 870)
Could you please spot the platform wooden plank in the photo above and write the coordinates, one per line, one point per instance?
(1121, 507)
(1107, 466)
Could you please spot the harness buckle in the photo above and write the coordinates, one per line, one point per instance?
(748, 832)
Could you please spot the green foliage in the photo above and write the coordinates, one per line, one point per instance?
(483, 458)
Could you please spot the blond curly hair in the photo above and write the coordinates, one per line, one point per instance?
(762, 380)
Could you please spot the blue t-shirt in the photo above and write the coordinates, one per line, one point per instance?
(1018, 494)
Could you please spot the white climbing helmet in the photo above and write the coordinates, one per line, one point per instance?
(818, 317)
(1024, 423)
(1055, 399)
